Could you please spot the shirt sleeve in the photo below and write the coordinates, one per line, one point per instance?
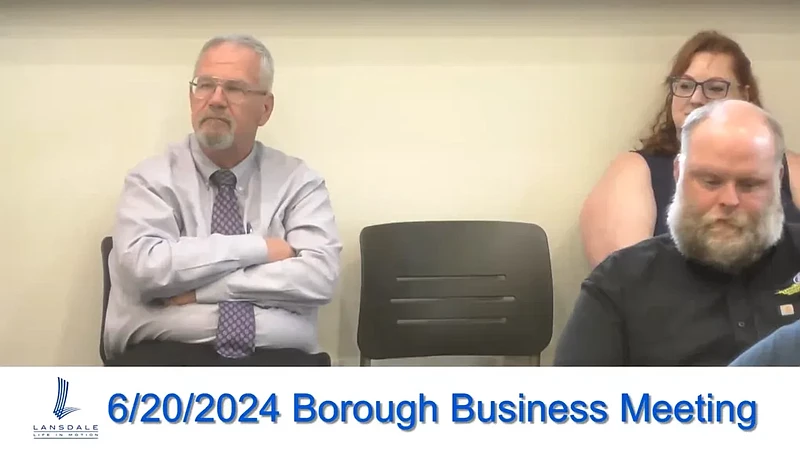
(594, 333)
(154, 259)
(780, 348)
(298, 283)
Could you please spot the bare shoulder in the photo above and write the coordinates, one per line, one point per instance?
(623, 190)
(627, 170)
(620, 210)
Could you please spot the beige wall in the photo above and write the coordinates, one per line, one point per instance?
(413, 112)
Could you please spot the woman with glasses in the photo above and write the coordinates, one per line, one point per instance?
(630, 202)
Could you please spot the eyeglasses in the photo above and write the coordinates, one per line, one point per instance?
(235, 91)
(713, 89)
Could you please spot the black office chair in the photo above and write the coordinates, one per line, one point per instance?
(315, 359)
(105, 250)
(468, 288)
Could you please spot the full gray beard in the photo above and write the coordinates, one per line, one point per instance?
(695, 238)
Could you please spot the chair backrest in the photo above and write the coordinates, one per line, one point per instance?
(105, 251)
(454, 288)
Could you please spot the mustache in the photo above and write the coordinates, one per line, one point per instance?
(738, 220)
(224, 118)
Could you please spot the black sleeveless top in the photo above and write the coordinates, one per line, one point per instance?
(663, 182)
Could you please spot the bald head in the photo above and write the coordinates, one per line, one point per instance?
(736, 129)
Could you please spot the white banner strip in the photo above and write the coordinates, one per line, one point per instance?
(397, 407)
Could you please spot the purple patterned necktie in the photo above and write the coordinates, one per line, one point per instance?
(236, 327)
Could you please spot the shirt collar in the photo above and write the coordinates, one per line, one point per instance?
(243, 170)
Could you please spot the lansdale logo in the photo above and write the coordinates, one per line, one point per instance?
(60, 409)
(65, 431)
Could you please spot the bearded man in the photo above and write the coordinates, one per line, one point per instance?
(726, 275)
(224, 249)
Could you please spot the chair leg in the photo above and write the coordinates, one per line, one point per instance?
(364, 361)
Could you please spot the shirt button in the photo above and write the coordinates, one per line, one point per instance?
(741, 324)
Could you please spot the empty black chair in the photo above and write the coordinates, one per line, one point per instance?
(105, 250)
(465, 288)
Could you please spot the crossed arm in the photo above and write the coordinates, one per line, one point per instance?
(295, 272)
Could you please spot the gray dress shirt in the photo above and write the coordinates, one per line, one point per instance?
(163, 247)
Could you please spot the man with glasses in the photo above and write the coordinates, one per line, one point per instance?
(224, 248)
(727, 273)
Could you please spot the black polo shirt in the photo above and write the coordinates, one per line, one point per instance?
(646, 305)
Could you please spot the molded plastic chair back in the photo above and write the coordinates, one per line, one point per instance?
(454, 288)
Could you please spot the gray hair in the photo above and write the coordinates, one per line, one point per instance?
(702, 113)
(267, 72)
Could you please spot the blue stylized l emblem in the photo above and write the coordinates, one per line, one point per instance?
(61, 400)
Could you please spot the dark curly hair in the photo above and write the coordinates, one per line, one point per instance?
(664, 139)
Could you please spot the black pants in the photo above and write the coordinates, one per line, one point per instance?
(171, 353)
